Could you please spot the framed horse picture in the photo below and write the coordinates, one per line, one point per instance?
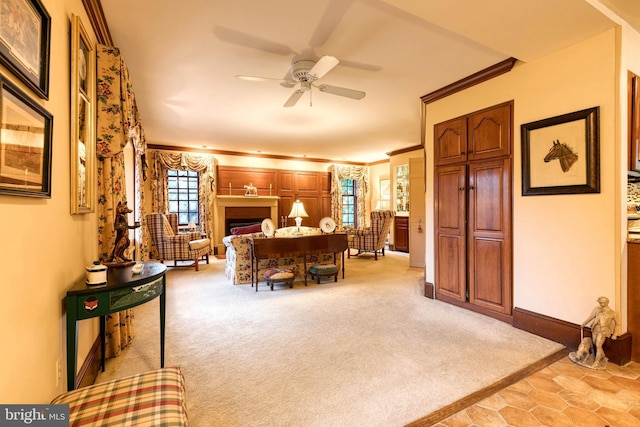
(561, 155)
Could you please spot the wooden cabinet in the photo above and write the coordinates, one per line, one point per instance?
(633, 298)
(484, 135)
(401, 234)
(634, 122)
(473, 220)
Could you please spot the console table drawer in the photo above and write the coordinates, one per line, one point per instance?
(103, 303)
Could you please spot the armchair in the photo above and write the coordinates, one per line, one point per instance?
(174, 246)
(374, 237)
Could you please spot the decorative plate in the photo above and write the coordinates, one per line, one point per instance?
(267, 227)
(327, 224)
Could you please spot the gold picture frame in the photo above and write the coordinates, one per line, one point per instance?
(83, 141)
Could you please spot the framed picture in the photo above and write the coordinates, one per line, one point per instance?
(385, 189)
(25, 34)
(561, 155)
(82, 144)
(25, 144)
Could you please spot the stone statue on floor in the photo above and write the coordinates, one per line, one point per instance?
(603, 322)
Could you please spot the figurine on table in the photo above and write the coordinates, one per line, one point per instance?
(122, 227)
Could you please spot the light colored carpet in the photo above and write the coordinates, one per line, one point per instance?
(368, 350)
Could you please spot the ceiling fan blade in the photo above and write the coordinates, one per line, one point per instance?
(323, 66)
(257, 78)
(295, 96)
(341, 91)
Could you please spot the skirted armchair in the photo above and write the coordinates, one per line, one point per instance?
(374, 237)
(175, 246)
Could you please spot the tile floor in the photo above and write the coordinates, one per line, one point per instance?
(562, 394)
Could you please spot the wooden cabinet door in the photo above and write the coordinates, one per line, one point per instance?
(401, 234)
(450, 223)
(489, 133)
(634, 122)
(450, 142)
(489, 235)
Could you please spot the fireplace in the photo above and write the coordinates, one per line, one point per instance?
(241, 210)
(241, 217)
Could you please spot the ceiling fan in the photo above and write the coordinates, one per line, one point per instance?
(307, 73)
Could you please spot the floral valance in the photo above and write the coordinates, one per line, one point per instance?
(118, 119)
(358, 173)
(202, 164)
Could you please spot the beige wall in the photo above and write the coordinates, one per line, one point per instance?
(566, 247)
(44, 249)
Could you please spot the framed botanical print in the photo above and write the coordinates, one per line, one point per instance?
(25, 144)
(25, 33)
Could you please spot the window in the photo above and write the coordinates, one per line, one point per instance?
(183, 195)
(349, 202)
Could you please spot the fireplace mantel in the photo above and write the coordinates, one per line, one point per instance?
(247, 200)
(223, 202)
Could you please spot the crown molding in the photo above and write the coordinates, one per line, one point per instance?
(98, 21)
(472, 80)
(244, 154)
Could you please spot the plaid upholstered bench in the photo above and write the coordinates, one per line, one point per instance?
(154, 398)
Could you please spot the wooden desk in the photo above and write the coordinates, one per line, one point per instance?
(280, 247)
(123, 290)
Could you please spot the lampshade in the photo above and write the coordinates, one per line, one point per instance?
(191, 225)
(297, 210)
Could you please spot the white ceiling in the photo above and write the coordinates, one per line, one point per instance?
(183, 57)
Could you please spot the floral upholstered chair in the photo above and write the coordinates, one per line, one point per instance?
(374, 237)
(175, 246)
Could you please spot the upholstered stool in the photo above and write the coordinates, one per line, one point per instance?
(279, 275)
(321, 271)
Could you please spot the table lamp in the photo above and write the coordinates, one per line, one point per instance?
(298, 212)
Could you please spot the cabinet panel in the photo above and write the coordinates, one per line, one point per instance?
(450, 276)
(486, 287)
(450, 142)
(634, 122)
(401, 234)
(285, 181)
(489, 248)
(450, 222)
(490, 133)
(633, 298)
(450, 191)
(307, 182)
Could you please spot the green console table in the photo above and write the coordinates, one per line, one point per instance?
(123, 290)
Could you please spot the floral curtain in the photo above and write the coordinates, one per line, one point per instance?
(118, 123)
(162, 161)
(358, 173)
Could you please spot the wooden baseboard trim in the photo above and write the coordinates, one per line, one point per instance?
(465, 402)
(91, 366)
(429, 290)
(617, 351)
